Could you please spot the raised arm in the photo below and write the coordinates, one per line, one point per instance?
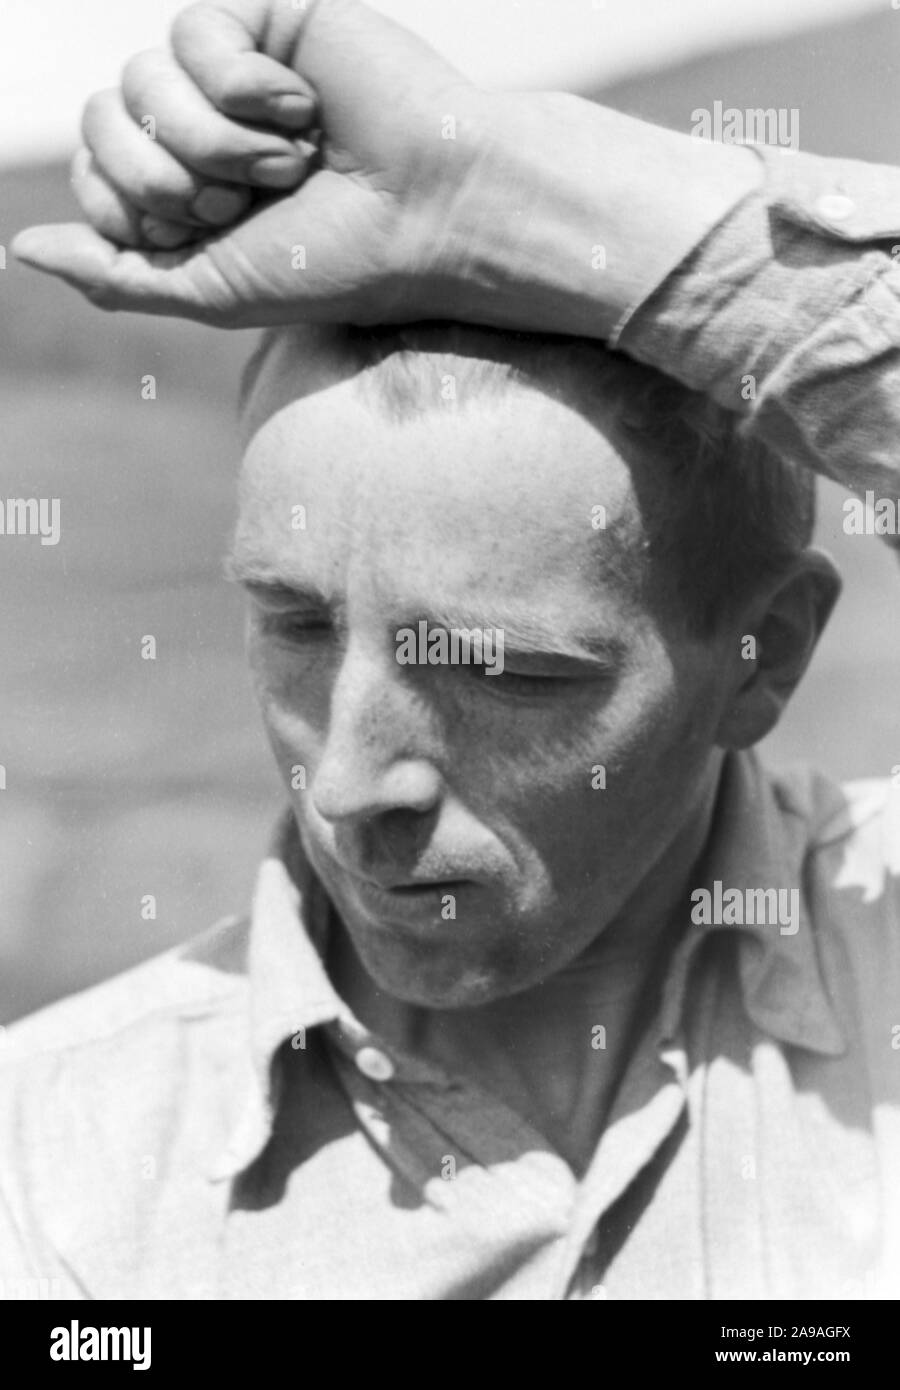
(428, 196)
(770, 282)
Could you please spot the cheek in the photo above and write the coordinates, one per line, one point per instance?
(583, 793)
(293, 699)
(656, 751)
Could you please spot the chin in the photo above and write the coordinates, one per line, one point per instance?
(433, 984)
(426, 991)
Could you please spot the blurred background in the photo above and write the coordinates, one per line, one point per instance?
(127, 777)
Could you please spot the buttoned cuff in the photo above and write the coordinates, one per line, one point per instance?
(788, 312)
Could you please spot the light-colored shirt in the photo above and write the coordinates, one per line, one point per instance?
(788, 313)
(216, 1124)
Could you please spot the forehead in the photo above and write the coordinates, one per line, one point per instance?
(513, 493)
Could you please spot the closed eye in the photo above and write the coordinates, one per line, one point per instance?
(526, 683)
(296, 627)
(512, 682)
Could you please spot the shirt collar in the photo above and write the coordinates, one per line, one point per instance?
(289, 989)
(759, 840)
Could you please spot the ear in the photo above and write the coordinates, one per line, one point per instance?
(771, 650)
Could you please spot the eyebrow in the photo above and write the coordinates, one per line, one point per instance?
(261, 579)
(524, 634)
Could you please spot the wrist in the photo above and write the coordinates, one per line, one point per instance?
(569, 214)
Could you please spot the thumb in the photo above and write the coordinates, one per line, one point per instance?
(178, 282)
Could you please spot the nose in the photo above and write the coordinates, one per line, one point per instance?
(379, 749)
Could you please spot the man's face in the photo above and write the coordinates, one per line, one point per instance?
(459, 820)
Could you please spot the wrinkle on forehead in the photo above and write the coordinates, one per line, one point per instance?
(316, 362)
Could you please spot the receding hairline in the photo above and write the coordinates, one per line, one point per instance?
(407, 369)
(724, 508)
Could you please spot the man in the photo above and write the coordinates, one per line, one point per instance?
(548, 991)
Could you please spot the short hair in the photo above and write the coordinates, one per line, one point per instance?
(729, 516)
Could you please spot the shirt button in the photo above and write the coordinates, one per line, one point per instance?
(835, 207)
(376, 1065)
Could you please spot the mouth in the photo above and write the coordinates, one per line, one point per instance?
(408, 890)
(415, 888)
(407, 898)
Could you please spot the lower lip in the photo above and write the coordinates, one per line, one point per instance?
(406, 901)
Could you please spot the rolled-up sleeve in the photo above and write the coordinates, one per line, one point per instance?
(788, 312)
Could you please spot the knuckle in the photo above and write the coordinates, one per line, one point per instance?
(208, 151)
(96, 110)
(188, 20)
(139, 72)
(232, 86)
(157, 188)
(140, 184)
(145, 189)
(191, 22)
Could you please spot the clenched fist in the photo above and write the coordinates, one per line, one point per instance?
(283, 162)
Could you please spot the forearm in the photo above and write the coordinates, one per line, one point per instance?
(577, 212)
(766, 282)
(722, 266)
